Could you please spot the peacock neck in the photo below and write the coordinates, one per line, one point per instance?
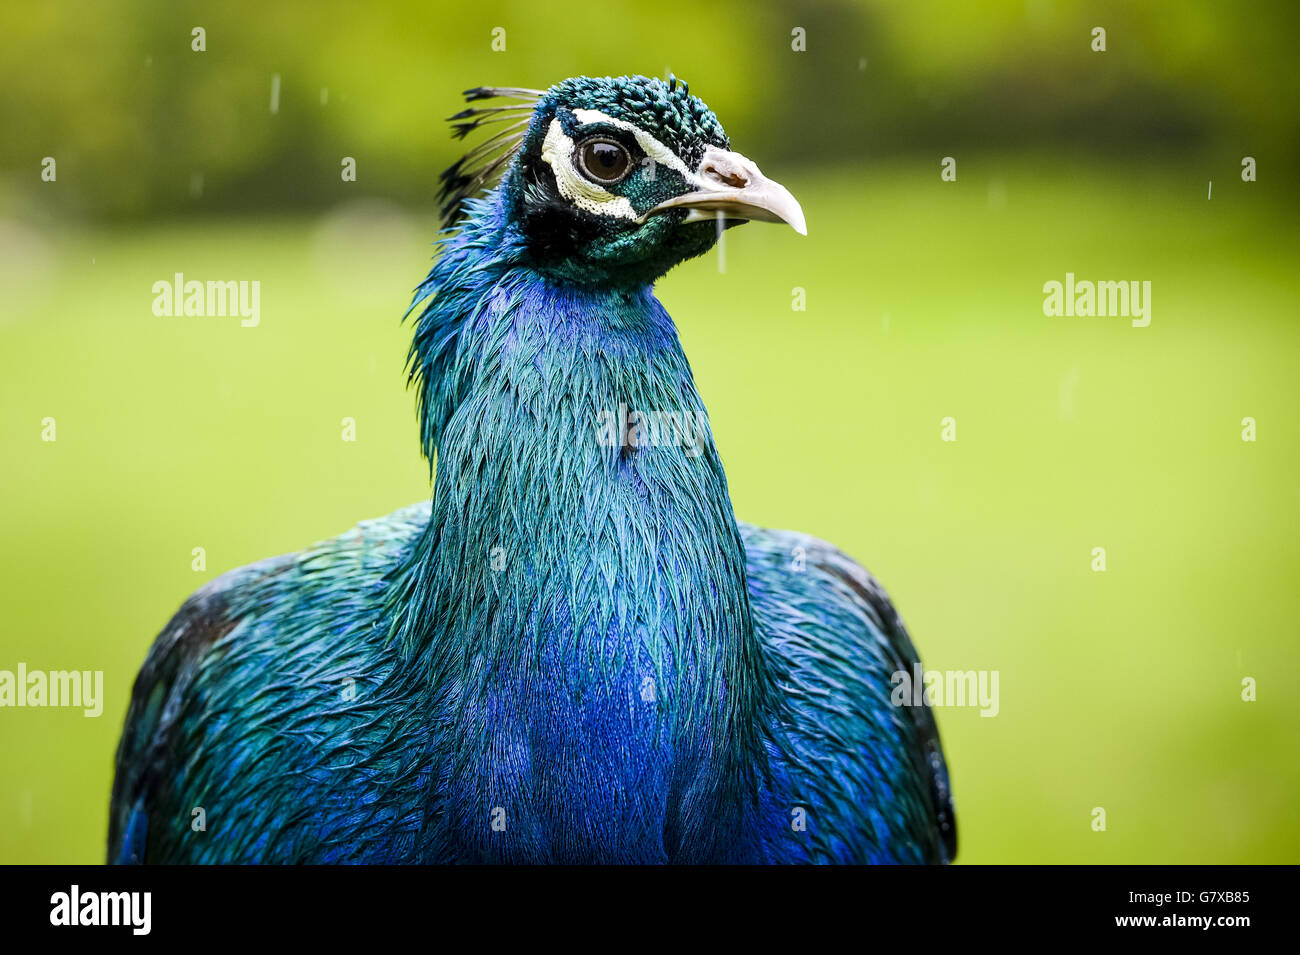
(581, 537)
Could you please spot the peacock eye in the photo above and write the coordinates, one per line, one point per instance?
(603, 160)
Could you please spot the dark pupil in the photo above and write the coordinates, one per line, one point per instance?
(605, 160)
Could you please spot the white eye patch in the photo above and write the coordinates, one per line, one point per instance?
(557, 152)
(652, 147)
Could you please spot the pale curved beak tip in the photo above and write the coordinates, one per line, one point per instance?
(733, 186)
(782, 206)
(774, 203)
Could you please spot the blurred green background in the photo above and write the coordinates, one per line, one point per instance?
(924, 300)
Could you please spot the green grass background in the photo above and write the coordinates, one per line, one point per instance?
(1118, 689)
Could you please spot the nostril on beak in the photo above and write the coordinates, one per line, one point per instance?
(731, 170)
(728, 177)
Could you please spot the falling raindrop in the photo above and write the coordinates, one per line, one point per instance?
(720, 218)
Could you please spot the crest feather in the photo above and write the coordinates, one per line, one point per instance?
(478, 168)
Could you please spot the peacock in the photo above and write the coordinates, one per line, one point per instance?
(574, 653)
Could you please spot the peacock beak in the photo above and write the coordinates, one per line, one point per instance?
(731, 184)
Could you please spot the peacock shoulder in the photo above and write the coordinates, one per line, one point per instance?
(870, 774)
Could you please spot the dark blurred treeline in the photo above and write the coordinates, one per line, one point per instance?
(142, 125)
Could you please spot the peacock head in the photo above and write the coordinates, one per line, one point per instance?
(611, 180)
